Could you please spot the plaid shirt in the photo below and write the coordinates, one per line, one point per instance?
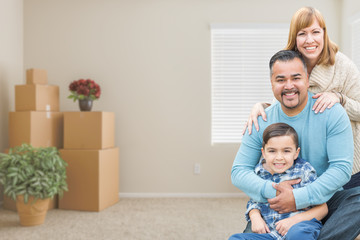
(300, 169)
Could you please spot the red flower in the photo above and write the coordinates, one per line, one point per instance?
(73, 86)
(82, 82)
(82, 89)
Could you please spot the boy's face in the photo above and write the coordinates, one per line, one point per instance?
(279, 153)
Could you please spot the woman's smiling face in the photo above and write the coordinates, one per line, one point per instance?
(310, 41)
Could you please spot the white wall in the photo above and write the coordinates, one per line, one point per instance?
(350, 9)
(152, 60)
(11, 60)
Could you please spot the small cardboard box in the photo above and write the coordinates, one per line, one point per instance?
(89, 130)
(10, 204)
(40, 129)
(36, 76)
(37, 97)
(92, 178)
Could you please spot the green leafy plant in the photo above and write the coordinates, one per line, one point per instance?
(27, 170)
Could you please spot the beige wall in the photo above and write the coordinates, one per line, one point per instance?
(350, 9)
(11, 60)
(152, 60)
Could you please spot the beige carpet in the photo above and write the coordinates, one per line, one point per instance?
(132, 219)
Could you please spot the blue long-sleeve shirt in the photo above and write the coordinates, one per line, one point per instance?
(325, 140)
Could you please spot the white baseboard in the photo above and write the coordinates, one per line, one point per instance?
(182, 195)
(178, 195)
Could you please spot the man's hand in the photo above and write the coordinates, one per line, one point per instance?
(287, 184)
(284, 202)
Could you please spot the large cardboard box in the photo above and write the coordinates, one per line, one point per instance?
(40, 129)
(92, 178)
(36, 97)
(89, 130)
(36, 76)
(10, 204)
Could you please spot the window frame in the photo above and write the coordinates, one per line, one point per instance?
(233, 60)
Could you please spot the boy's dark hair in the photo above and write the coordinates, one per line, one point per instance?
(278, 130)
(285, 56)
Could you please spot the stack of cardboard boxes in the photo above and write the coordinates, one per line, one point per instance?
(85, 139)
(36, 119)
(93, 168)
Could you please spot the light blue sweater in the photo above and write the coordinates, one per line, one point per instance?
(326, 141)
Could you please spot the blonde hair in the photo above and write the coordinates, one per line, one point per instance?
(303, 18)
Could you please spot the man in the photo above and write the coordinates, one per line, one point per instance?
(326, 142)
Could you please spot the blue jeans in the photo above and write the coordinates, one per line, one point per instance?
(354, 181)
(343, 219)
(306, 230)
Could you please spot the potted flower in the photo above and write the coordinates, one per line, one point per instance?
(85, 91)
(31, 177)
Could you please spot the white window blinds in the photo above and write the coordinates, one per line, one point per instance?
(240, 74)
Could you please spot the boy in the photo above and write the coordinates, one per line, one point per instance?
(280, 151)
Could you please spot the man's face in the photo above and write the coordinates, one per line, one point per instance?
(290, 84)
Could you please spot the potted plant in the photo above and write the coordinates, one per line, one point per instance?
(86, 91)
(32, 176)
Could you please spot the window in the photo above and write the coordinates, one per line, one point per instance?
(240, 74)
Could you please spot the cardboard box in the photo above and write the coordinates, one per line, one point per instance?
(40, 129)
(10, 204)
(36, 76)
(36, 97)
(92, 178)
(89, 130)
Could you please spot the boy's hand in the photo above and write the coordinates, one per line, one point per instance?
(284, 225)
(258, 225)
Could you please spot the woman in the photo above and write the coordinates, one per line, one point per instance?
(332, 75)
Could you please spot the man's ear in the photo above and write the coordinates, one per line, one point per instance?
(262, 151)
